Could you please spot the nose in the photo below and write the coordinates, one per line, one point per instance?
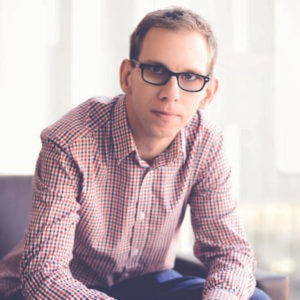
(170, 90)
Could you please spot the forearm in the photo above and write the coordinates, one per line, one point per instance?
(51, 283)
(230, 276)
(227, 255)
(220, 240)
(45, 272)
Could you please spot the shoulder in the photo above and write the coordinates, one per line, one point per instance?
(81, 121)
(205, 149)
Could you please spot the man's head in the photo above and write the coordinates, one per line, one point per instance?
(168, 77)
(176, 19)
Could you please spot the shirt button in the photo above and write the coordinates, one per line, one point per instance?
(135, 251)
(126, 275)
(142, 216)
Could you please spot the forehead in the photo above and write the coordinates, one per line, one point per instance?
(179, 50)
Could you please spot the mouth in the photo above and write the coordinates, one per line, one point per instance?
(167, 116)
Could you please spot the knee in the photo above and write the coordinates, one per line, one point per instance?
(259, 295)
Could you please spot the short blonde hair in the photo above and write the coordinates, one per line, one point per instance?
(175, 18)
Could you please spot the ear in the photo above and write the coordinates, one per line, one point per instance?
(211, 90)
(125, 72)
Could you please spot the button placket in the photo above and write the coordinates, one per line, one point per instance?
(138, 238)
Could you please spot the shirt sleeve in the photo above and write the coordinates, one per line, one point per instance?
(45, 272)
(220, 241)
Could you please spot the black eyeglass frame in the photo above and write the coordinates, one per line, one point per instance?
(142, 66)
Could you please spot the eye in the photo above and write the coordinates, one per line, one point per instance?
(157, 69)
(189, 76)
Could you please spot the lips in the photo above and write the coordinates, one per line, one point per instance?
(164, 115)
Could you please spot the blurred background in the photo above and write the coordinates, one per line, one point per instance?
(55, 54)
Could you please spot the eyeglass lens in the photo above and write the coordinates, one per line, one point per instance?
(159, 75)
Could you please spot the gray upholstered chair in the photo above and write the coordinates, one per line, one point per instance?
(15, 205)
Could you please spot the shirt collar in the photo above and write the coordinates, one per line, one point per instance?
(123, 142)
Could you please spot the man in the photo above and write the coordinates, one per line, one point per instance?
(114, 178)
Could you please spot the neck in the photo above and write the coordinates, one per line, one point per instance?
(149, 148)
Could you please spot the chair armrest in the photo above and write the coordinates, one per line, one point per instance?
(275, 285)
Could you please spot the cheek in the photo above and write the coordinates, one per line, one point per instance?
(141, 89)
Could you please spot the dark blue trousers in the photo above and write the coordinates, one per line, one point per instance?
(165, 285)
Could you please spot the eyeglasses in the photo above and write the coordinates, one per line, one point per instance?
(158, 74)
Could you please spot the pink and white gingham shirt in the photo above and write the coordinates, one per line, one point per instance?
(101, 214)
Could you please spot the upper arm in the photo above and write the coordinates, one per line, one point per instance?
(54, 215)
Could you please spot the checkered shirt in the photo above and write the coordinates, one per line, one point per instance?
(101, 214)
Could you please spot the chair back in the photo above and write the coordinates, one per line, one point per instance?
(15, 207)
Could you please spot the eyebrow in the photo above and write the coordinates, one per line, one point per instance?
(153, 62)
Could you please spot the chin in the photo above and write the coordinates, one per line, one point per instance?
(166, 134)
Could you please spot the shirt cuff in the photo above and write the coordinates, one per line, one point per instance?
(219, 294)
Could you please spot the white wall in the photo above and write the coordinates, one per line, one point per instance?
(286, 85)
(34, 78)
(55, 54)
